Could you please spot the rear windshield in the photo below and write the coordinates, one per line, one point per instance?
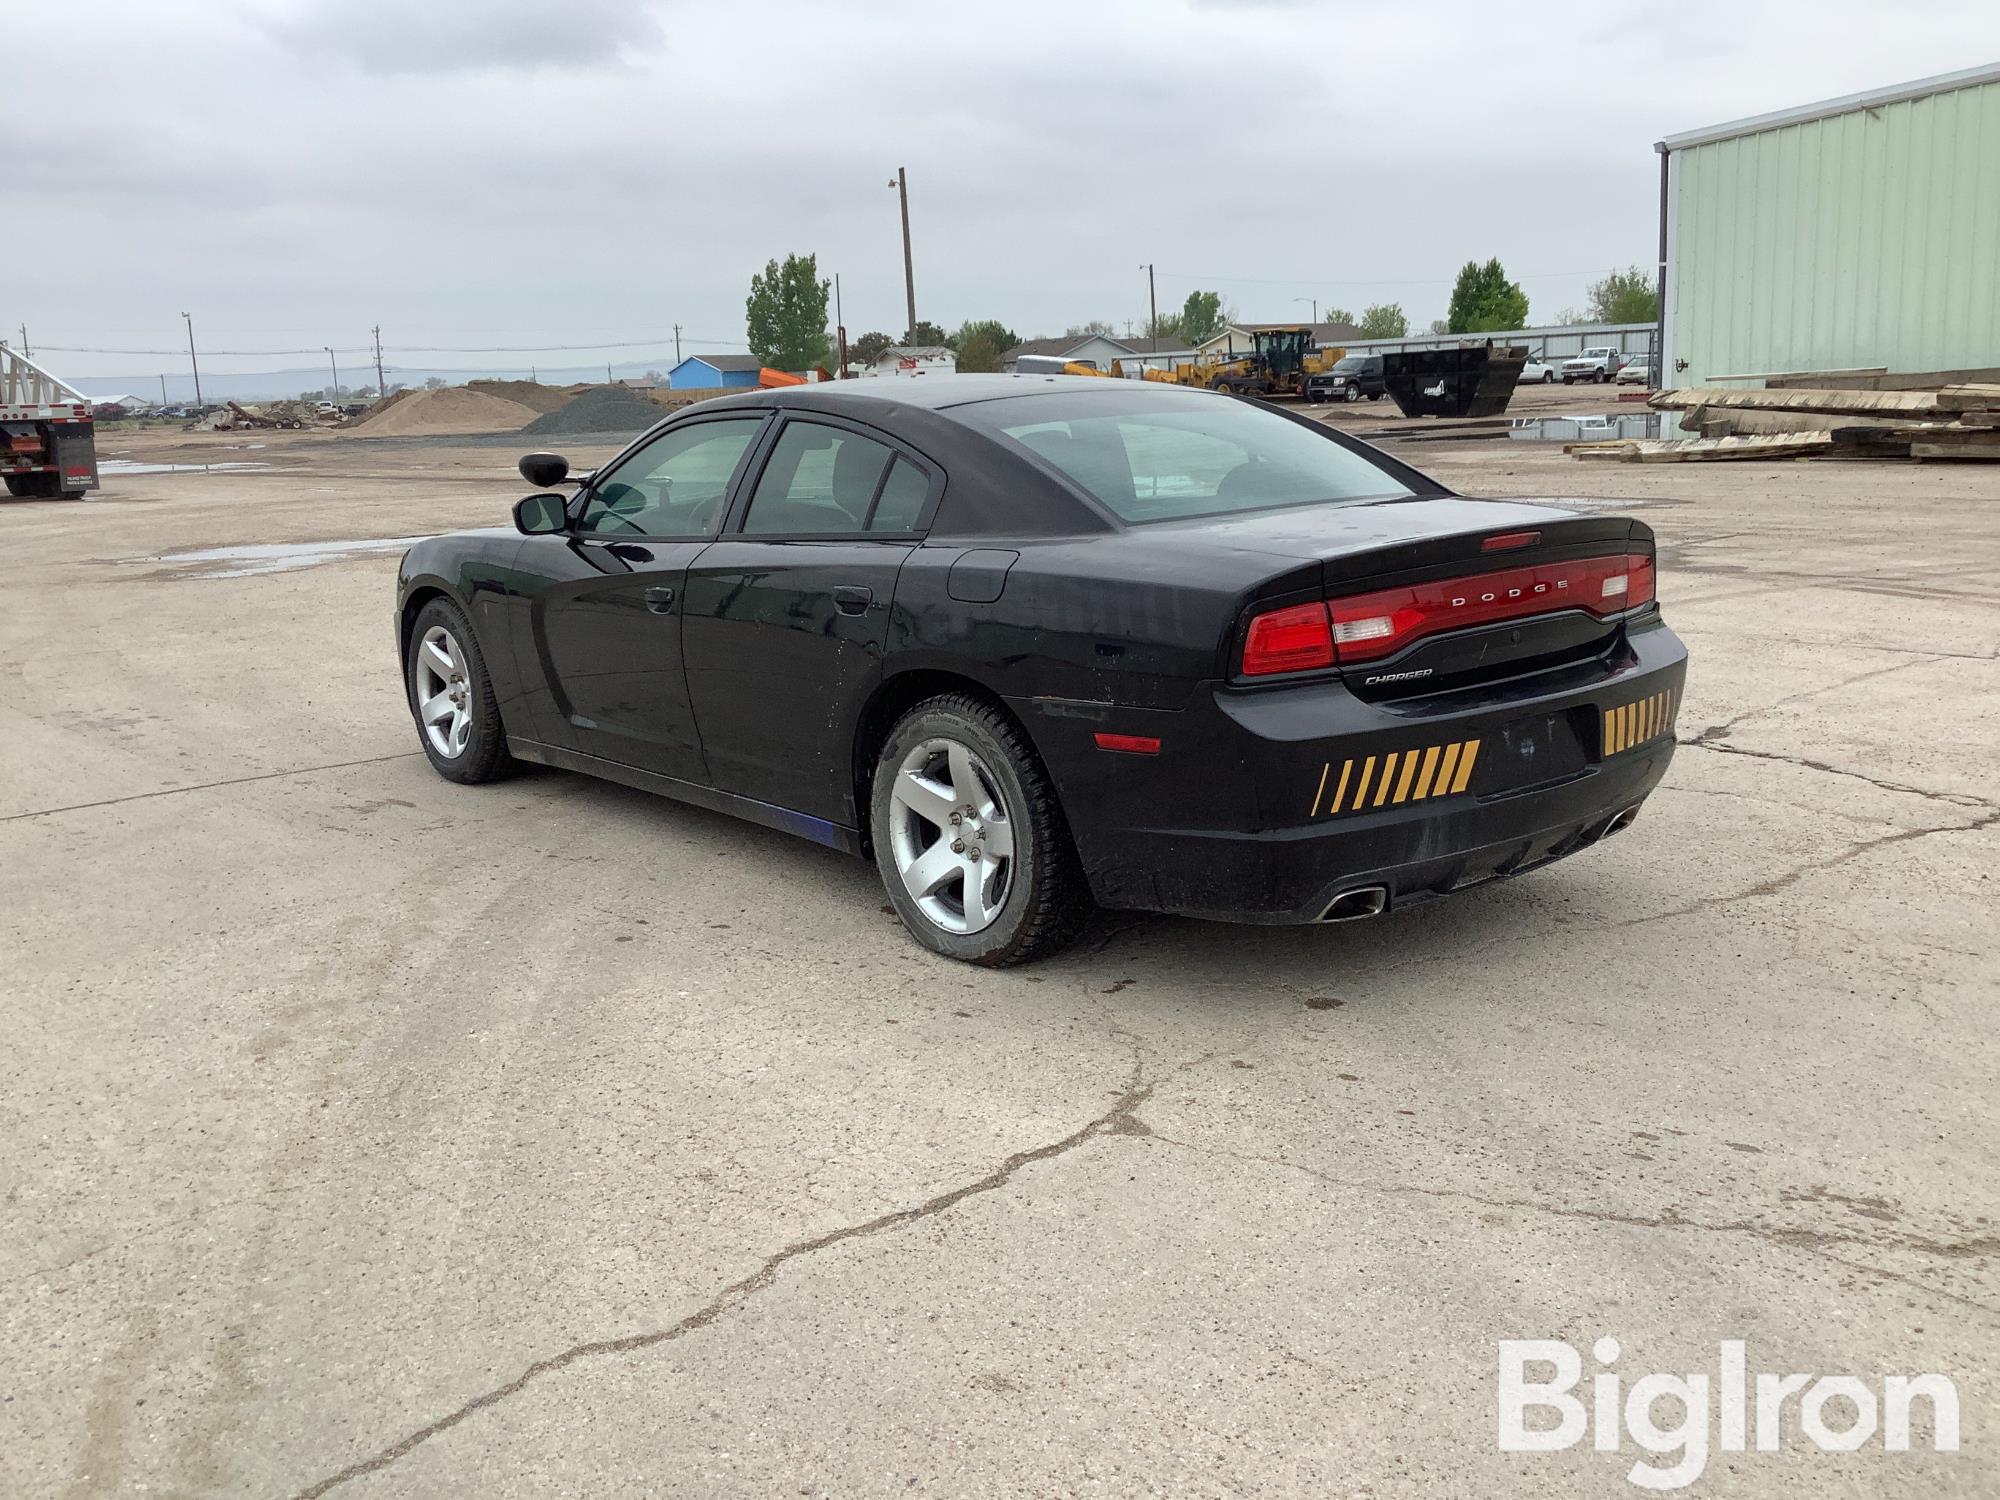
(1166, 454)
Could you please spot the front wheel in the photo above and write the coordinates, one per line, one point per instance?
(970, 839)
(451, 697)
(1353, 393)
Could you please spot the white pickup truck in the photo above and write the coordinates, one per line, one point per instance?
(1598, 364)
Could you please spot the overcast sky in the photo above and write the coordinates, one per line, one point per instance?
(500, 172)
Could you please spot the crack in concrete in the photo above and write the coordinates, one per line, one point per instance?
(208, 786)
(1812, 1241)
(1116, 1120)
(1721, 731)
(1792, 877)
(1955, 799)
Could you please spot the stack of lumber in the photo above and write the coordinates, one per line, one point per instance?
(1959, 420)
(1691, 450)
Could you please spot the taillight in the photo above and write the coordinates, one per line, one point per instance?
(1367, 627)
(1288, 640)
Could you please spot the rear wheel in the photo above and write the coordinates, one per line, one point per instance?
(451, 697)
(970, 839)
(46, 486)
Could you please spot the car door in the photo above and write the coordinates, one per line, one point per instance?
(605, 621)
(786, 613)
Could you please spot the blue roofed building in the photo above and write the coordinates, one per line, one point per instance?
(705, 372)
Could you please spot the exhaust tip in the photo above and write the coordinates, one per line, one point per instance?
(1352, 906)
(1619, 821)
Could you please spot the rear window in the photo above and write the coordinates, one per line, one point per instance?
(1165, 455)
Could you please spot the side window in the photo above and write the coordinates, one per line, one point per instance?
(674, 486)
(820, 481)
(902, 499)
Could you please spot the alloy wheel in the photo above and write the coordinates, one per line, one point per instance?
(444, 697)
(950, 835)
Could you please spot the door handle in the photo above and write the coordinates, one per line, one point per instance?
(853, 599)
(660, 601)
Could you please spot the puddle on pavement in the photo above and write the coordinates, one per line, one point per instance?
(277, 557)
(1635, 424)
(112, 467)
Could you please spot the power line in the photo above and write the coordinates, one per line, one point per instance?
(1335, 281)
(661, 342)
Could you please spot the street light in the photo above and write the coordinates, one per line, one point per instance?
(334, 394)
(1315, 305)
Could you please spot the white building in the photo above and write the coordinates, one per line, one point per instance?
(1850, 235)
(913, 359)
(1091, 348)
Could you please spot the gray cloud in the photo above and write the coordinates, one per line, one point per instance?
(480, 174)
(453, 36)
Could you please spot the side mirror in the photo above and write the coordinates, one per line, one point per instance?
(541, 515)
(544, 470)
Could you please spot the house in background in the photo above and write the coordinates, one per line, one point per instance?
(1241, 338)
(707, 372)
(1094, 347)
(913, 359)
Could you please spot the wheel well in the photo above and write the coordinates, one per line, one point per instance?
(892, 700)
(412, 607)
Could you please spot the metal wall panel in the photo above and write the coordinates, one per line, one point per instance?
(1865, 238)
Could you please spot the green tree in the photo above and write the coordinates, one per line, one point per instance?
(866, 349)
(1627, 296)
(1095, 326)
(994, 330)
(1336, 315)
(1484, 300)
(927, 335)
(1384, 320)
(1202, 317)
(787, 314)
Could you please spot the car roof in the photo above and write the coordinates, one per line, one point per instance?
(934, 392)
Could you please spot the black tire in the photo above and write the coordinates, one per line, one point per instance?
(1549, 378)
(35, 486)
(483, 756)
(1353, 394)
(1046, 897)
(1377, 396)
(1569, 380)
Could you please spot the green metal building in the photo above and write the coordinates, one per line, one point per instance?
(1859, 232)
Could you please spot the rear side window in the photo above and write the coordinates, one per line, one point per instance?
(828, 481)
(1168, 455)
(902, 499)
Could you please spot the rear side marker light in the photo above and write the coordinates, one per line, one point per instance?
(1130, 744)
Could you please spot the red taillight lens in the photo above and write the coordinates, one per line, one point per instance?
(1368, 627)
(1288, 640)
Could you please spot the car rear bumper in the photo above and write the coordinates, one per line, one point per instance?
(1265, 807)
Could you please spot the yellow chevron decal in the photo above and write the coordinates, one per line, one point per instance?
(1640, 722)
(1404, 776)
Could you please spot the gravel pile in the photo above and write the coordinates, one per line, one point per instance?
(604, 408)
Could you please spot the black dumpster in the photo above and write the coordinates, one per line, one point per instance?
(1473, 380)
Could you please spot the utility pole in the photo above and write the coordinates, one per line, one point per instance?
(607, 374)
(163, 390)
(840, 330)
(677, 343)
(192, 361)
(902, 187)
(1152, 302)
(334, 394)
(381, 385)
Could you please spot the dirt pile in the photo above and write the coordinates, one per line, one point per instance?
(452, 410)
(601, 408)
(539, 397)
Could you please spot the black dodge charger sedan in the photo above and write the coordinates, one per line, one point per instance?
(1033, 642)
